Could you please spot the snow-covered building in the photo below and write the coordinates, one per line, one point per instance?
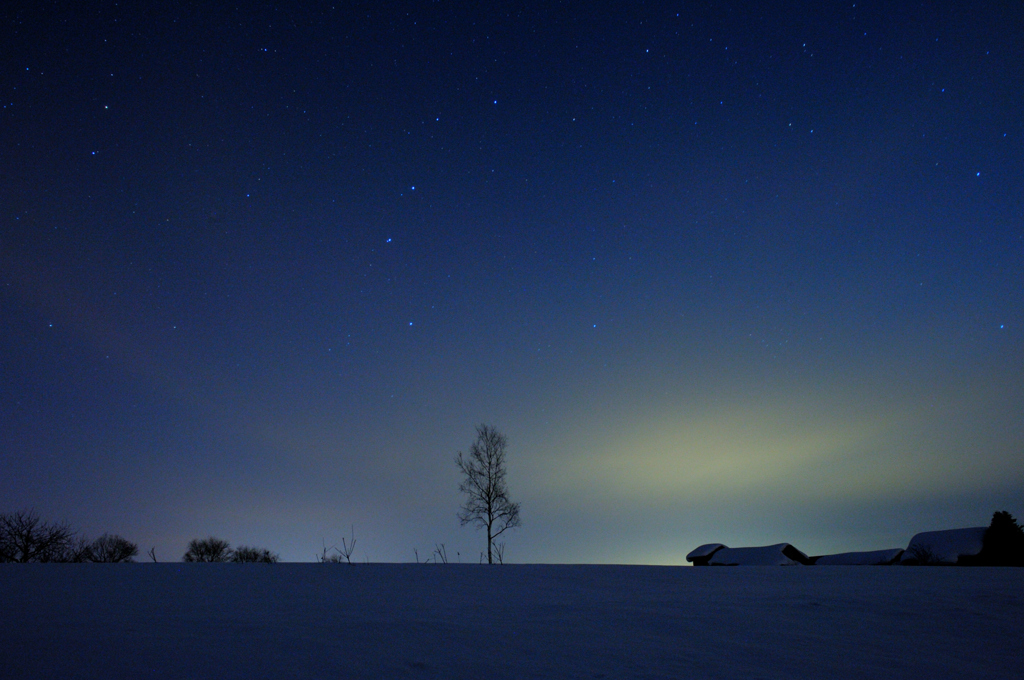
(943, 547)
(953, 546)
(780, 554)
(872, 557)
(701, 554)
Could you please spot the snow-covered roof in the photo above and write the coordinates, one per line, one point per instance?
(861, 558)
(943, 547)
(781, 554)
(705, 550)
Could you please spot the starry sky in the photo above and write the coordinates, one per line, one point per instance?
(720, 271)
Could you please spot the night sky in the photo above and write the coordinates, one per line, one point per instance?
(720, 272)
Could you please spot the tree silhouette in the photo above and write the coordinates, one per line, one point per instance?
(1003, 543)
(207, 550)
(24, 538)
(487, 503)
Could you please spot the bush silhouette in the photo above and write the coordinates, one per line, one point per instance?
(207, 550)
(922, 555)
(109, 548)
(245, 553)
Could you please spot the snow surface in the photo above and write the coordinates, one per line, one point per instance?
(945, 546)
(873, 557)
(512, 621)
(763, 556)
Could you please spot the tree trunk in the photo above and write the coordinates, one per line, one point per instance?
(490, 540)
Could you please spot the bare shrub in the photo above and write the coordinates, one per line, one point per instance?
(924, 556)
(113, 548)
(342, 554)
(207, 550)
(245, 553)
(327, 557)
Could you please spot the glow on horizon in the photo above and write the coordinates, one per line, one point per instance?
(806, 450)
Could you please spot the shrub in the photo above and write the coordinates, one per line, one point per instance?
(342, 554)
(109, 548)
(207, 550)
(922, 555)
(244, 553)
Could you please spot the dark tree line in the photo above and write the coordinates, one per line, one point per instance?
(218, 550)
(1002, 545)
(26, 538)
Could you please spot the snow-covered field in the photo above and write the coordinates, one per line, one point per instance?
(512, 621)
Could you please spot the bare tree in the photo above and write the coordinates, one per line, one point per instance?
(207, 550)
(487, 504)
(24, 538)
